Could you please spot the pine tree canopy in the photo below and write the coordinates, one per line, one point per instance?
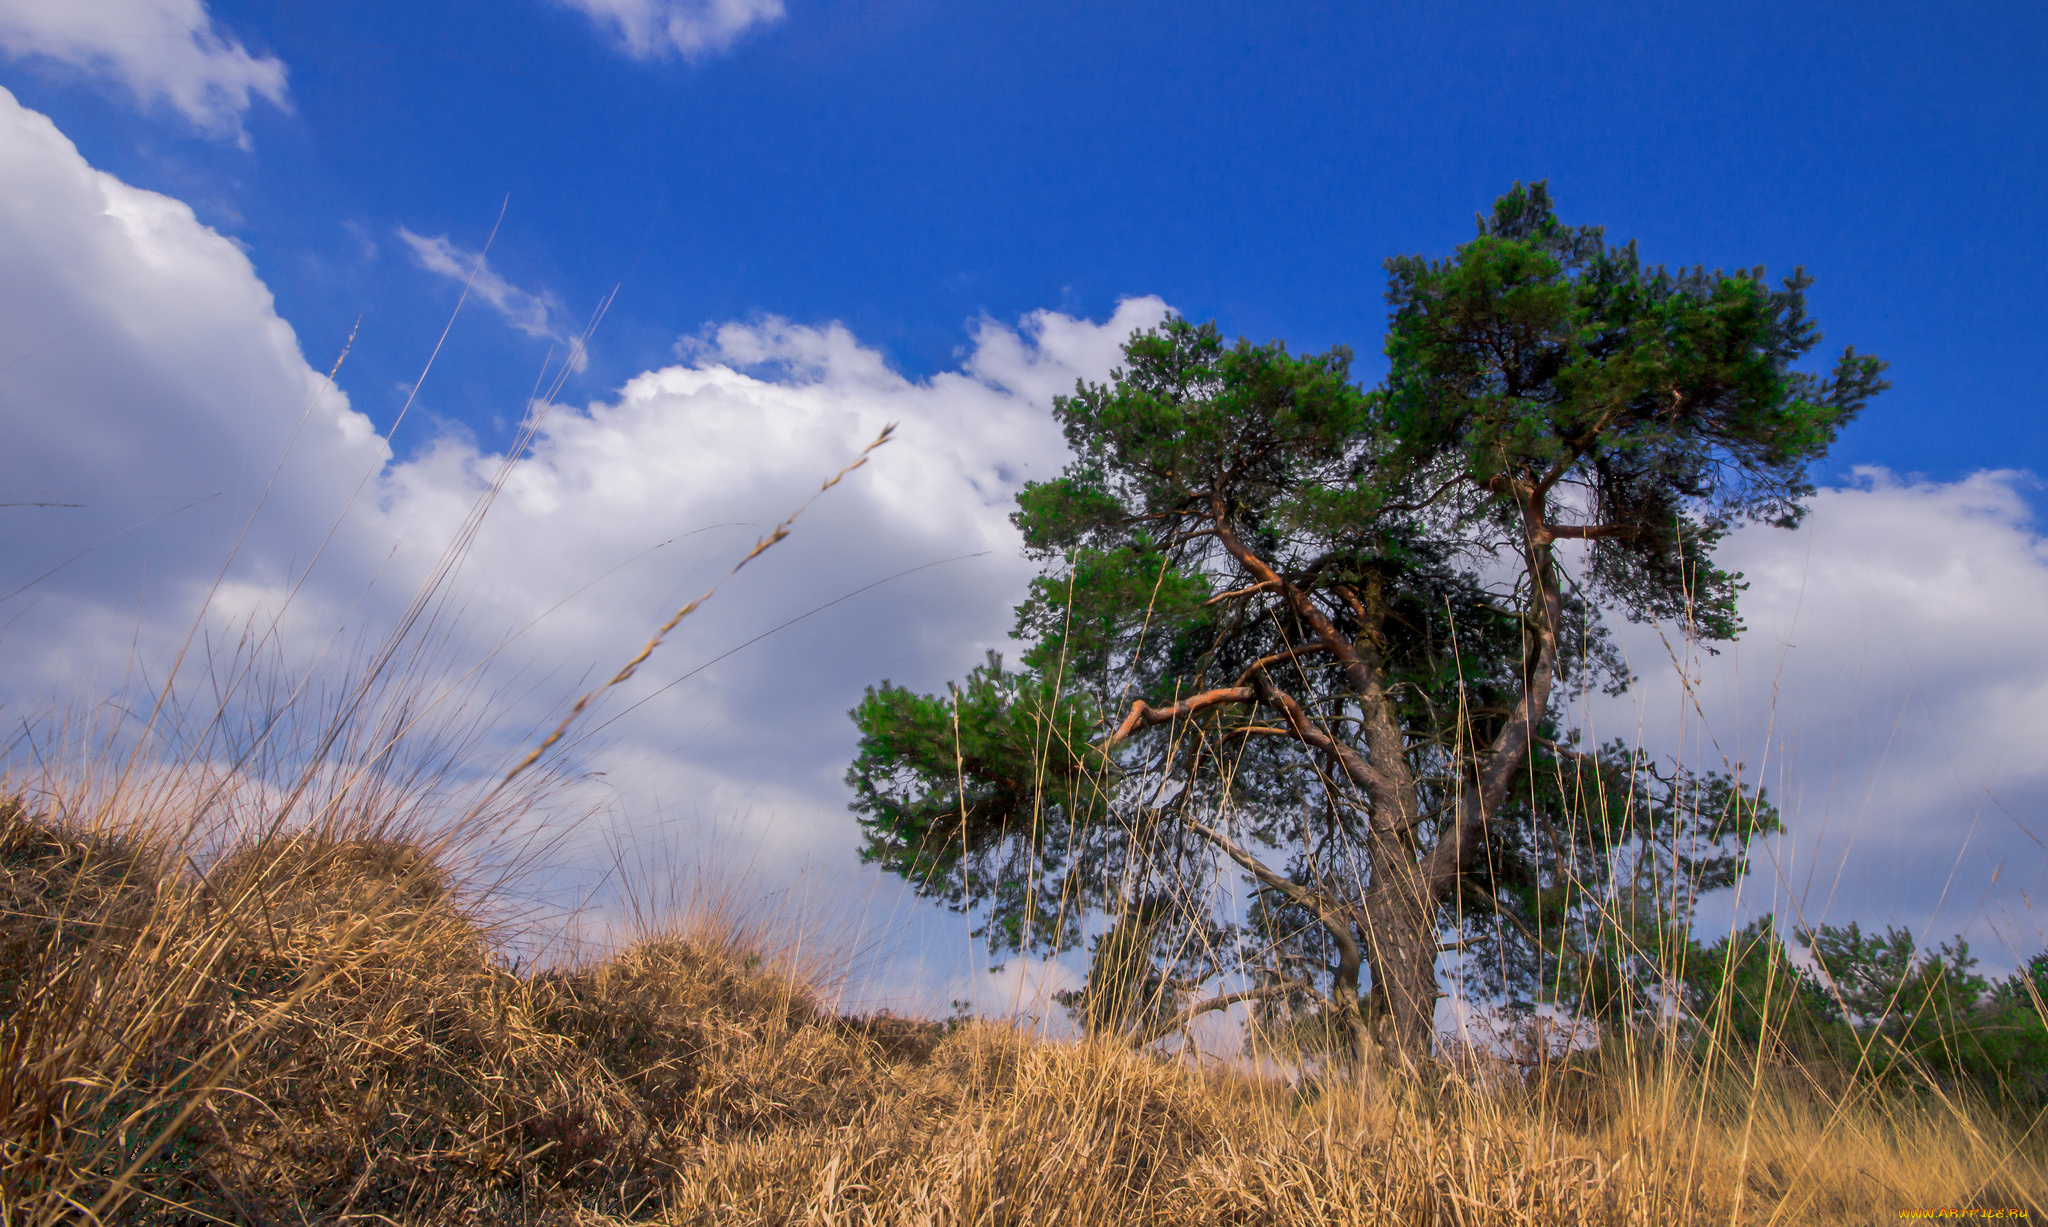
(1297, 668)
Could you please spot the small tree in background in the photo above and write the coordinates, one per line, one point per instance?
(2014, 1039)
(1931, 1013)
(1875, 1006)
(1745, 993)
(1317, 640)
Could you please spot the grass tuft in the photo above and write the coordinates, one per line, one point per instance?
(317, 1028)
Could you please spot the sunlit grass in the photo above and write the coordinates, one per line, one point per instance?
(317, 1029)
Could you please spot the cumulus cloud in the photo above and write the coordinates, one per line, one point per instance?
(165, 51)
(152, 386)
(536, 315)
(150, 391)
(1891, 692)
(720, 448)
(690, 28)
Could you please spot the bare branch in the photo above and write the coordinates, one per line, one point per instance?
(1587, 532)
(1348, 760)
(1260, 664)
(1261, 586)
(1159, 1031)
(1331, 918)
(1144, 715)
(1355, 669)
(1437, 494)
(1350, 596)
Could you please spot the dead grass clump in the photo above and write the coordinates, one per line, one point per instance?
(1871, 1150)
(898, 1040)
(318, 1030)
(706, 1036)
(408, 1071)
(993, 1127)
(65, 894)
(316, 1022)
(101, 1013)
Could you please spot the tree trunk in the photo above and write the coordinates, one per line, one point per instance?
(1344, 993)
(1399, 919)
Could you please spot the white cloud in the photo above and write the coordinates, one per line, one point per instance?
(690, 28)
(156, 387)
(706, 444)
(1892, 693)
(149, 380)
(536, 315)
(165, 51)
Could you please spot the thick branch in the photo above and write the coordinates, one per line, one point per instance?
(1388, 780)
(1144, 715)
(1193, 534)
(1220, 597)
(1350, 596)
(1348, 760)
(1259, 665)
(1355, 669)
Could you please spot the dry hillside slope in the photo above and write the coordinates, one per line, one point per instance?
(317, 1030)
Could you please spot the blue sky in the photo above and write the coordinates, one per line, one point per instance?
(906, 167)
(823, 217)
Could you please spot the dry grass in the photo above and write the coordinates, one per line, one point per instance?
(317, 1029)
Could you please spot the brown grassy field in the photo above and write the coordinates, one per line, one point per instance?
(319, 1028)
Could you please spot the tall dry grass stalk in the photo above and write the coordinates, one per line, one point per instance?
(316, 1030)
